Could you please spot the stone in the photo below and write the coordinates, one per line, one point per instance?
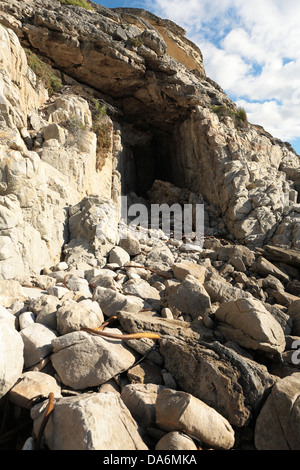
(78, 284)
(232, 384)
(143, 321)
(160, 257)
(45, 308)
(238, 263)
(110, 424)
(140, 399)
(277, 425)
(37, 340)
(26, 319)
(73, 316)
(12, 356)
(181, 270)
(33, 384)
(119, 256)
(10, 291)
(178, 411)
(57, 291)
(189, 297)
(249, 324)
(221, 291)
(146, 373)
(83, 360)
(265, 267)
(294, 313)
(176, 441)
(141, 288)
(131, 245)
(111, 301)
(283, 255)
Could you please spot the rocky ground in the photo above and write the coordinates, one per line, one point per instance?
(218, 330)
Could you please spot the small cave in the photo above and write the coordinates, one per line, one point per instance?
(145, 158)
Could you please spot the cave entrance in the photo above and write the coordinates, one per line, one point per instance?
(144, 160)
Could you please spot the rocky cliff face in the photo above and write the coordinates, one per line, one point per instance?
(166, 121)
(100, 103)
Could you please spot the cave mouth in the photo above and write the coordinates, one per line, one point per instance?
(144, 161)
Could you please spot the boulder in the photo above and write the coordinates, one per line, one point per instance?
(189, 297)
(232, 384)
(176, 440)
(277, 425)
(37, 340)
(250, 324)
(97, 421)
(119, 256)
(140, 399)
(11, 357)
(178, 411)
(84, 360)
(72, 316)
(32, 384)
(111, 301)
(185, 268)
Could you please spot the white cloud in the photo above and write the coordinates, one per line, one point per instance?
(252, 49)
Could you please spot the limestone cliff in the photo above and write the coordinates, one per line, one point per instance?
(134, 106)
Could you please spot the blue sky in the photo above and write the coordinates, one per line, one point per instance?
(251, 49)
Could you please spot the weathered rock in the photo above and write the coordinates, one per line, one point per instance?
(142, 321)
(109, 423)
(37, 340)
(294, 312)
(265, 267)
(178, 411)
(181, 270)
(176, 441)
(249, 324)
(145, 373)
(45, 308)
(72, 316)
(12, 355)
(31, 385)
(231, 384)
(131, 245)
(26, 319)
(10, 291)
(140, 399)
(221, 291)
(160, 257)
(83, 360)
(188, 297)
(277, 425)
(119, 256)
(282, 255)
(141, 288)
(111, 301)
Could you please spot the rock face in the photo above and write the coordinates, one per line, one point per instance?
(141, 342)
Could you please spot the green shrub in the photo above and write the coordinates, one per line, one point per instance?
(239, 117)
(102, 127)
(44, 72)
(136, 41)
(77, 3)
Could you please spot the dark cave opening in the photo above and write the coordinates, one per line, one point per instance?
(145, 160)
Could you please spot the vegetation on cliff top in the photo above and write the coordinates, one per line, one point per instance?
(77, 3)
(239, 117)
(44, 72)
(102, 128)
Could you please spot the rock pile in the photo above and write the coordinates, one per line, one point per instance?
(202, 338)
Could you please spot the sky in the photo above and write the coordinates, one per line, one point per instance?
(250, 48)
